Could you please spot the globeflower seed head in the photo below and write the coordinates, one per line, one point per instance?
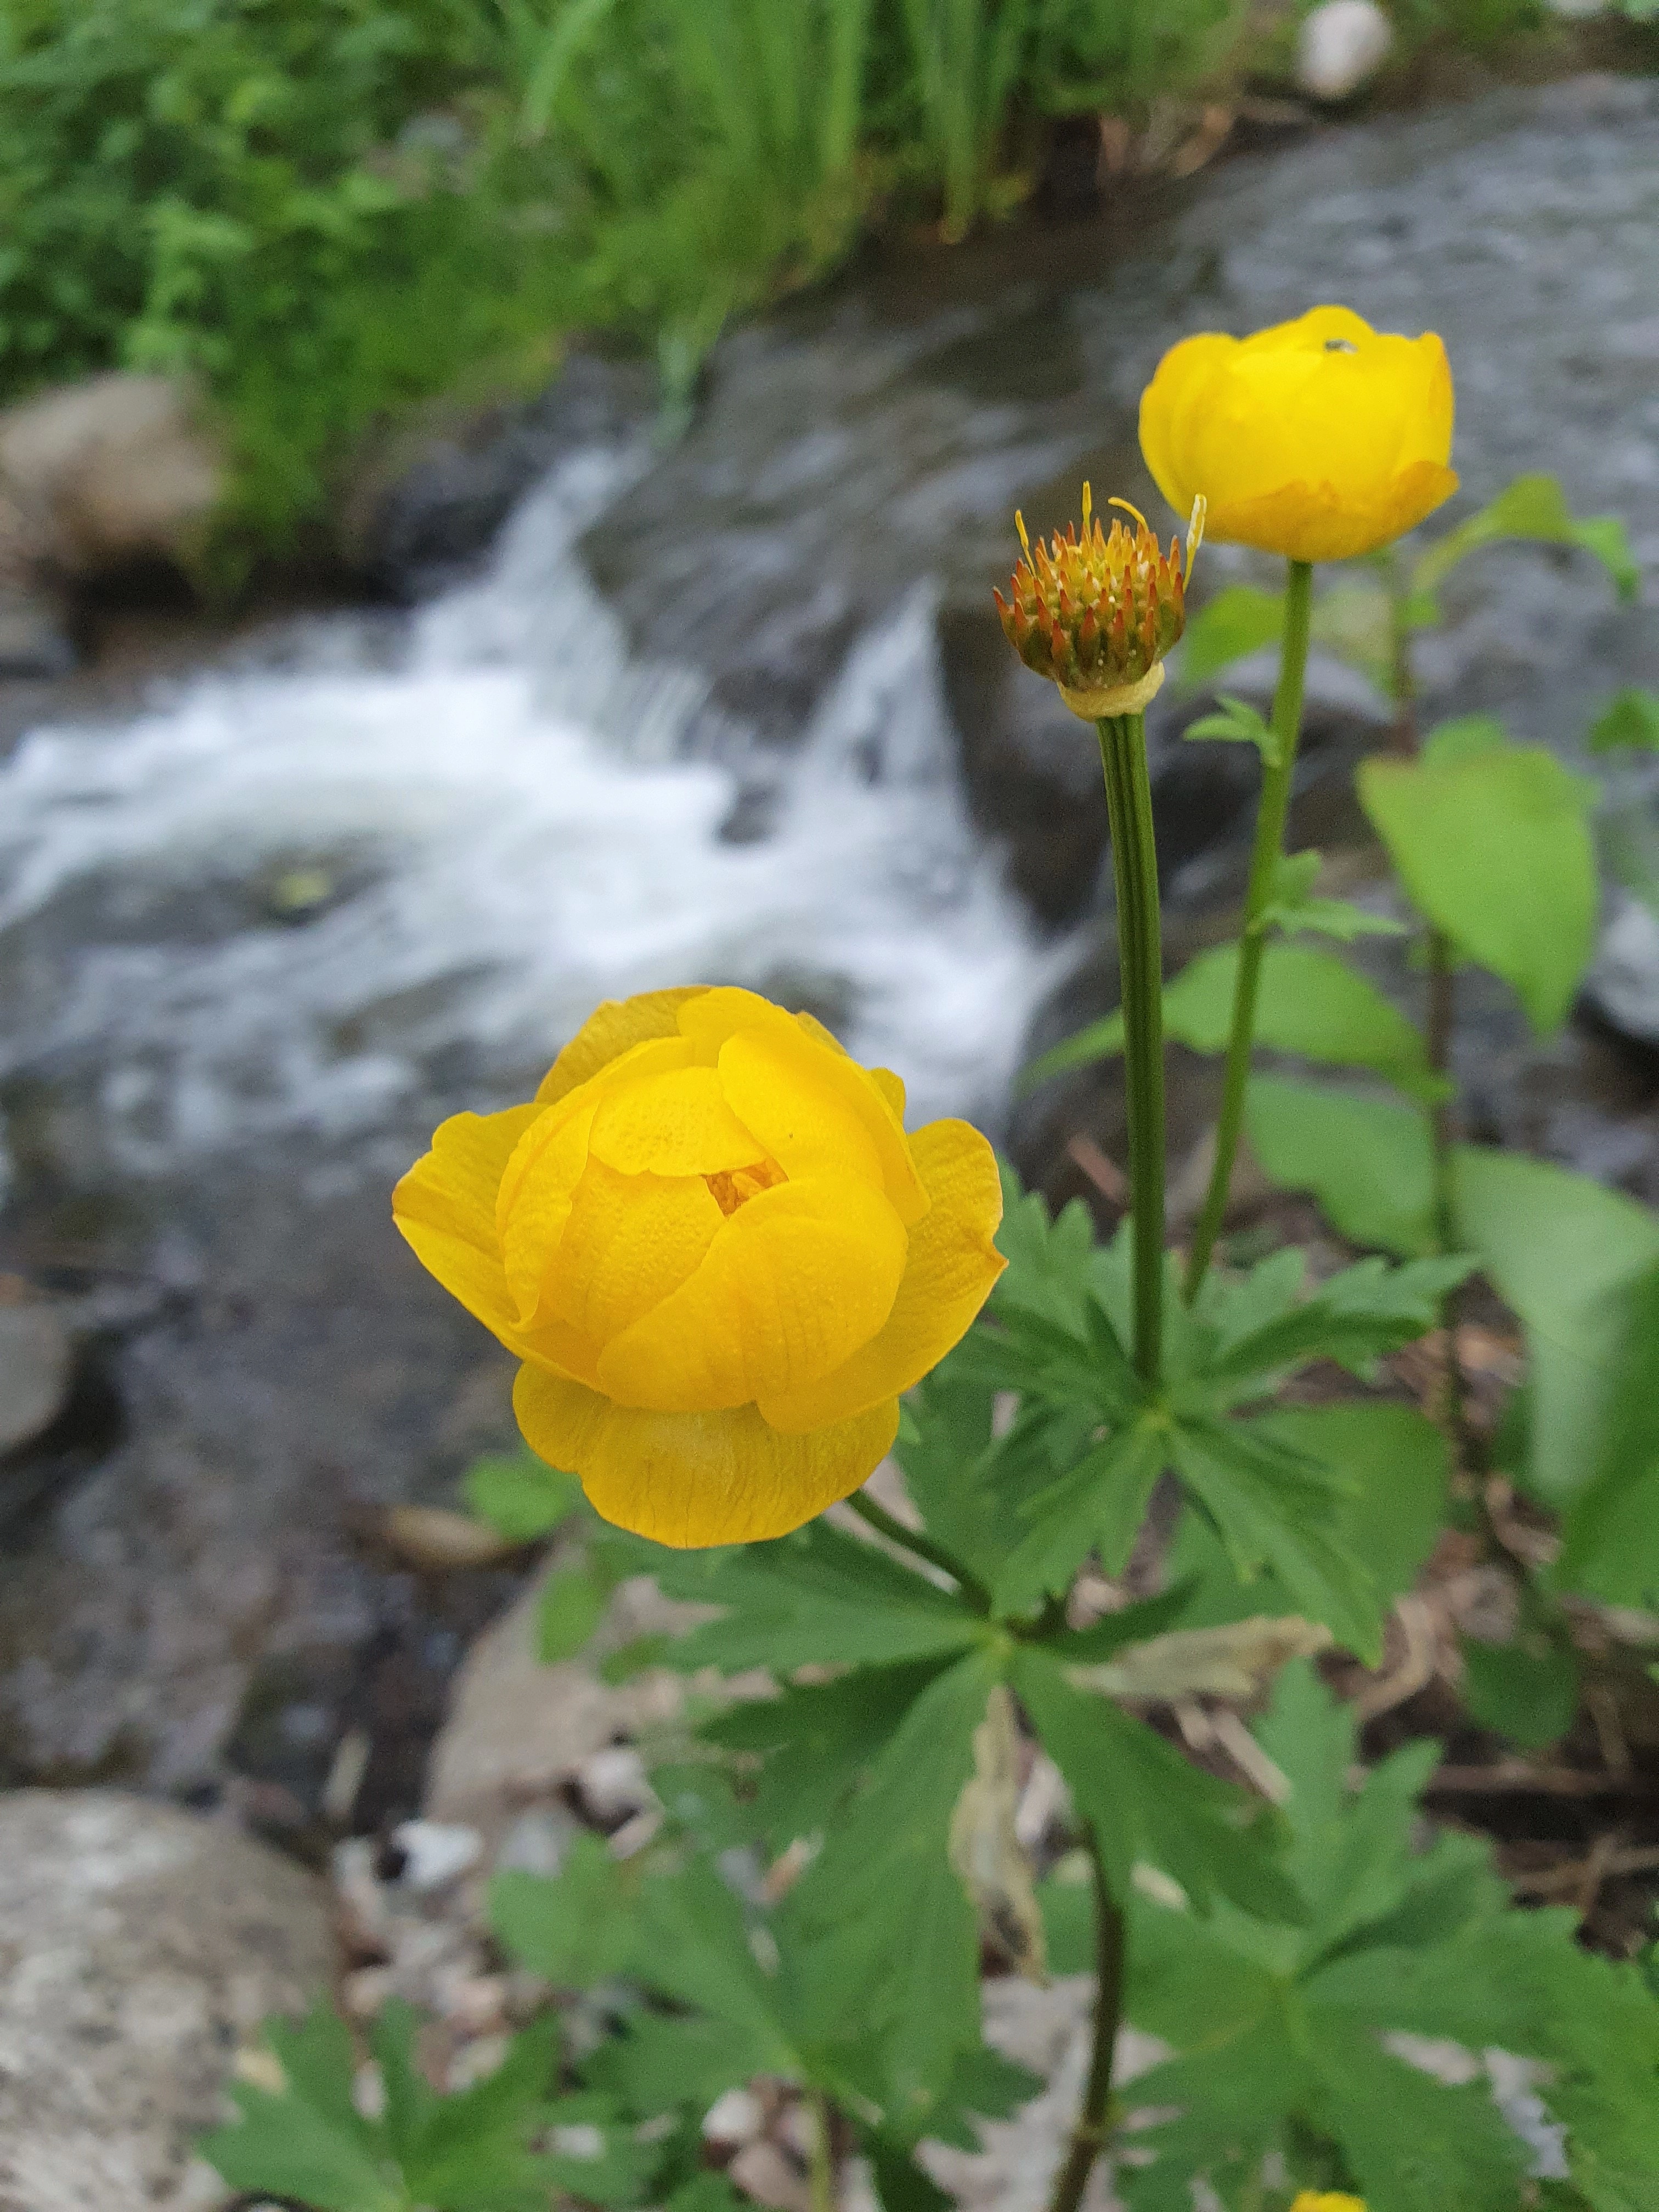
(1095, 613)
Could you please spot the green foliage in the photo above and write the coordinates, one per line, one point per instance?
(1368, 1161)
(1238, 723)
(1278, 2030)
(1238, 621)
(1309, 1002)
(1528, 1691)
(1294, 909)
(1629, 722)
(520, 1496)
(1532, 510)
(1492, 844)
(1117, 54)
(465, 2153)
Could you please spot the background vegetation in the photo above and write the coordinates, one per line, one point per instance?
(329, 210)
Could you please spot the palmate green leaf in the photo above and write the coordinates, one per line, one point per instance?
(615, 2170)
(1238, 723)
(1310, 1003)
(1098, 1506)
(811, 1745)
(308, 2142)
(468, 2152)
(1629, 722)
(1143, 1799)
(1534, 508)
(882, 1936)
(1370, 1163)
(1050, 1259)
(1238, 621)
(1398, 1463)
(1353, 1318)
(1280, 2031)
(1563, 1252)
(1493, 847)
(576, 1928)
(814, 1597)
(1274, 1505)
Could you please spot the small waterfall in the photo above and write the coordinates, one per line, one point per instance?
(503, 826)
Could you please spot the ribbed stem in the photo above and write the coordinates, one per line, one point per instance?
(1140, 964)
(1264, 865)
(1090, 2135)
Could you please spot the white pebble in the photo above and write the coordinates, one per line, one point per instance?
(1342, 43)
(434, 1853)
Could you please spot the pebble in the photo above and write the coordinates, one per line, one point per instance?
(435, 1853)
(1341, 44)
(736, 2117)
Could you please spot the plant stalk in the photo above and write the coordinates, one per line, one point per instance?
(1140, 962)
(1270, 821)
(1441, 1015)
(919, 1547)
(1093, 2126)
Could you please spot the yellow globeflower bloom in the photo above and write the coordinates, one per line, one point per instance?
(1318, 440)
(717, 1253)
(1330, 2200)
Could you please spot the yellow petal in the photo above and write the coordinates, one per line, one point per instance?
(609, 1031)
(818, 1113)
(631, 1241)
(1320, 522)
(797, 1279)
(446, 1207)
(891, 1088)
(952, 1264)
(697, 1479)
(677, 1124)
(533, 1203)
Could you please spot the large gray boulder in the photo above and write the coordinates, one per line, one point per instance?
(139, 1948)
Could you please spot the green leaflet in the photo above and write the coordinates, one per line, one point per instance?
(1275, 1506)
(1353, 1318)
(575, 1928)
(520, 1496)
(1531, 1696)
(1098, 1506)
(1564, 1252)
(1533, 508)
(1238, 621)
(1369, 1162)
(1611, 1533)
(813, 1597)
(810, 1747)
(1629, 722)
(1397, 1463)
(1492, 844)
(1143, 1799)
(1294, 909)
(1239, 724)
(463, 2153)
(884, 1932)
(1310, 1003)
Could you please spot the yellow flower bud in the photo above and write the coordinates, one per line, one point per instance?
(719, 1256)
(1097, 613)
(1330, 2200)
(1318, 440)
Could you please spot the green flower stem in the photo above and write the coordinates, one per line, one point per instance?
(921, 1547)
(1264, 867)
(1141, 961)
(1093, 2125)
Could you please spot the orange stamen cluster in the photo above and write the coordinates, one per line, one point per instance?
(1096, 611)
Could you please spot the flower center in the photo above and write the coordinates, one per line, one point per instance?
(734, 1187)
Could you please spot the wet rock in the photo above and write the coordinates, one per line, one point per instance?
(34, 639)
(1341, 47)
(427, 505)
(1623, 986)
(36, 1364)
(103, 474)
(139, 1947)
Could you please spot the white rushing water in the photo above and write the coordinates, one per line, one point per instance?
(515, 832)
